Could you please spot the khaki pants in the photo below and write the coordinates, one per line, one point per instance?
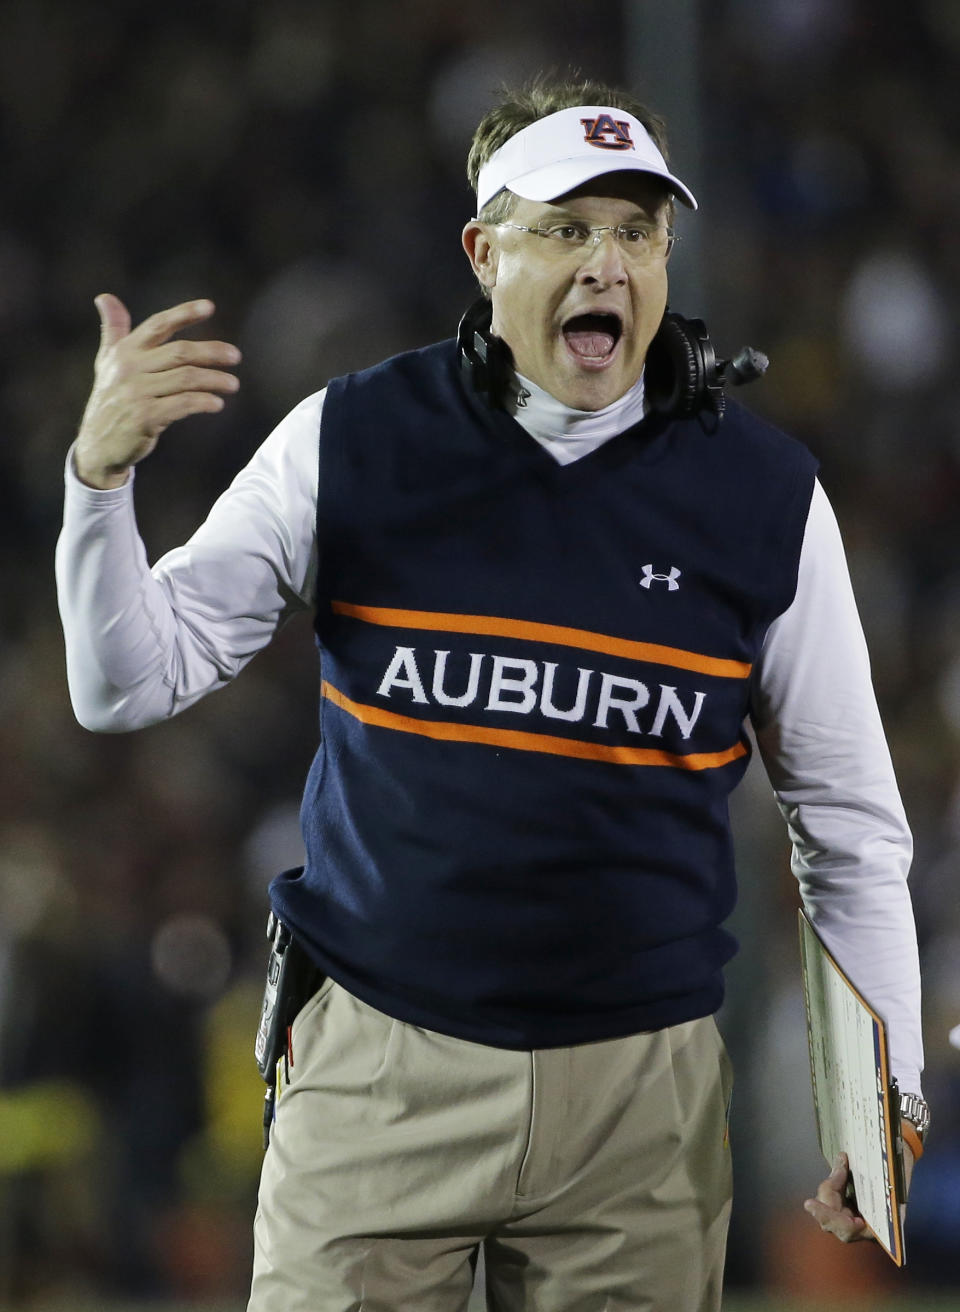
(596, 1177)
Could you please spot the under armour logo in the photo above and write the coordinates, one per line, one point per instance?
(650, 577)
(599, 129)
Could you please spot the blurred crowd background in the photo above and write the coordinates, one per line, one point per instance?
(302, 164)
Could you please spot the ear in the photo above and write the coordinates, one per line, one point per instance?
(481, 252)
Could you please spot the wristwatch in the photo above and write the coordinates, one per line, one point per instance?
(915, 1112)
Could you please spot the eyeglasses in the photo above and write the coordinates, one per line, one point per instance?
(639, 243)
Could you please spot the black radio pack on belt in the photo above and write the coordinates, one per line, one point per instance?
(683, 375)
(292, 979)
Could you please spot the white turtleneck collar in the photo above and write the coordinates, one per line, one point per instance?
(566, 433)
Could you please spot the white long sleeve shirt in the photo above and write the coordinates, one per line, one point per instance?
(142, 645)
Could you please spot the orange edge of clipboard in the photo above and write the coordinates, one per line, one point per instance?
(897, 1256)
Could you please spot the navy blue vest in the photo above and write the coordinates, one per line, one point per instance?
(534, 682)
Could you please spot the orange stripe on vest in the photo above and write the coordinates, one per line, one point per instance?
(529, 630)
(524, 741)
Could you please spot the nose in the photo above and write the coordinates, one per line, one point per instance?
(603, 260)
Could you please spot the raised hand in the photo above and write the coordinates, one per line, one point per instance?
(143, 382)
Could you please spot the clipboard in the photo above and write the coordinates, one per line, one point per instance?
(856, 1102)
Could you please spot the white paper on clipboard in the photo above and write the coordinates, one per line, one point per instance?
(856, 1108)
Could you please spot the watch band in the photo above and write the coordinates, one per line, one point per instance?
(914, 1122)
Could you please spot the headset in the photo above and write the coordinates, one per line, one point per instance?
(682, 376)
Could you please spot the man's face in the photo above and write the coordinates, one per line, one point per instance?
(543, 292)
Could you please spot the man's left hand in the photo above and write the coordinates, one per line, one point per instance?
(830, 1210)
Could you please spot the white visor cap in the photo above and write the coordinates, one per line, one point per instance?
(564, 150)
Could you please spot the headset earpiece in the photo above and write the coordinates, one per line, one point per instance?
(682, 376)
(485, 359)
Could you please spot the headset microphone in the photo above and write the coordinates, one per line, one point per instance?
(746, 365)
(683, 375)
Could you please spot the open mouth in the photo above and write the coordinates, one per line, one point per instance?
(592, 336)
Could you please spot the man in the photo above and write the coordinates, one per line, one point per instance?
(544, 608)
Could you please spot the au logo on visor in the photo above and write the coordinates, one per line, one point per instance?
(598, 130)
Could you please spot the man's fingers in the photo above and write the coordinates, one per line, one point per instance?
(841, 1169)
(187, 379)
(167, 410)
(159, 328)
(840, 1222)
(114, 318)
(187, 352)
(831, 1189)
